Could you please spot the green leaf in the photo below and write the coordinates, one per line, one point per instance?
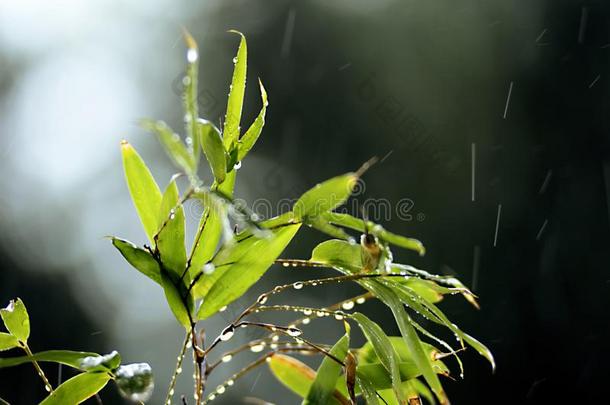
(325, 196)
(210, 227)
(78, 389)
(357, 224)
(238, 266)
(175, 301)
(384, 350)
(7, 342)
(139, 258)
(144, 190)
(16, 320)
(135, 382)
(170, 239)
(189, 97)
(175, 149)
(66, 357)
(298, 377)
(338, 253)
(328, 373)
(236, 94)
(251, 136)
(214, 150)
(368, 390)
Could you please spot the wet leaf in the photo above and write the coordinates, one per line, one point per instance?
(213, 149)
(325, 196)
(357, 224)
(236, 94)
(338, 253)
(383, 349)
(78, 389)
(173, 145)
(16, 319)
(144, 191)
(135, 381)
(238, 266)
(67, 357)
(368, 390)
(328, 373)
(170, 239)
(298, 377)
(251, 136)
(7, 342)
(139, 258)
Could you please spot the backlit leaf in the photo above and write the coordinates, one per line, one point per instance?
(170, 239)
(236, 94)
(16, 319)
(173, 145)
(7, 342)
(78, 389)
(325, 196)
(248, 140)
(213, 149)
(139, 258)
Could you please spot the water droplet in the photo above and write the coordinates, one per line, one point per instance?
(227, 358)
(257, 348)
(351, 241)
(235, 59)
(306, 321)
(179, 370)
(230, 382)
(220, 389)
(262, 299)
(171, 392)
(286, 264)
(186, 80)
(227, 333)
(48, 388)
(294, 331)
(360, 300)
(275, 338)
(237, 165)
(212, 397)
(347, 305)
(209, 268)
(273, 346)
(222, 309)
(338, 316)
(320, 313)
(192, 55)
(298, 285)
(307, 311)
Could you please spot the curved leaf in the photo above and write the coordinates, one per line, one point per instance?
(7, 342)
(173, 145)
(144, 191)
(78, 389)
(139, 258)
(325, 196)
(251, 136)
(66, 357)
(175, 301)
(16, 319)
(236, 94)
(170, 239)
(213, 149)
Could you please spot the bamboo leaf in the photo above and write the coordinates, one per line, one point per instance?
(67, 357)
(251, 136)
(144, 191)
(325, 196)
(189, 97)
(139, 259)
(328, 373)
(170, 238)
(16, 319)
(176, 302)
(78, 389)
(236, 94)
(173, 145)
(213, 149)
(7, 342)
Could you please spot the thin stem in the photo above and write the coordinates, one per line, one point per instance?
(46, 382)
(178, 369)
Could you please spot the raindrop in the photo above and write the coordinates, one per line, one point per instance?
(222, 309)
(235, 59)
(360, 300)
(186, 80)
(307, 311)
(257, 348)
(262, 299)
(286, 264)
(298, 285)
(227, 358)
(212, 397)
(320, 313)
(48, 388)
(348, 305)
(192, 55)
(227, 333)
(220, 389)
(179, 370)
(230, 382)
(294, 331)
(275, 338)
(237, 165)
(171, 392)
(306, 321)
(338, 317)
(209, 268)
(351, 241)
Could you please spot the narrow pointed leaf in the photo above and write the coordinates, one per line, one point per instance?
(175, 301)
(16, 319)
(170, 239)
(144, 191)
(238, 266)
(7, 342)
(325, 196)
(338, 253)
(251, 136)
(67, 357)
(236, 94)
(328, 373)
(139, 258)
(368, 390)
(78, 389)
(213, 149)
(173, 145)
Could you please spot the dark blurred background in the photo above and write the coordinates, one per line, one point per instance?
(514, 92)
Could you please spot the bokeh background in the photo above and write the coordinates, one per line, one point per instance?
(421, 83)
